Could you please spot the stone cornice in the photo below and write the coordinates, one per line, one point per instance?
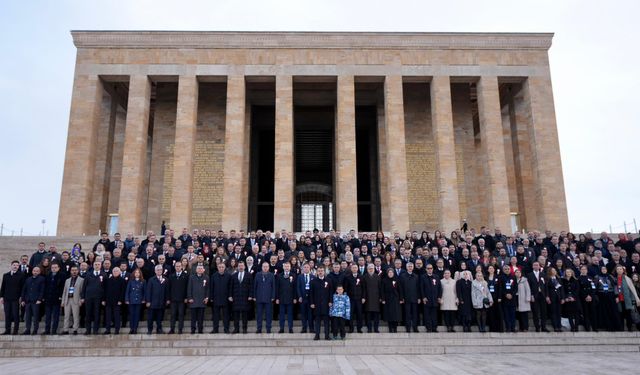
(311, 40)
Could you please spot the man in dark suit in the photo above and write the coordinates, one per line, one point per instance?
(32, 295)
(264, 292)
(431, 292)
(92, 296)
(286, 296)
(10, 290)
(303, 293)
(240, 296)
(354, 286)
(177, 297)
(156, 297)
(321, 297)
(410, 283)
(54, 282)
(538, 285)
(220, 290)
(114, 290)
(198, 297)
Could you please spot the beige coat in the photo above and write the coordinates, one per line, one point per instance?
(75, 300)
(524, 295)
(448, 295)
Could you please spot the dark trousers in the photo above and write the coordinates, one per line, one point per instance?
(237, 317)
(509, 314)
(267, 309)
(197, 319)
(589, 314)
(52, 318)
(135, 310)
(177, 314)
(320, 319)
(225, 311)
(356, 314)
(555, 315)
(113, 317)
(11, 315)
(155, 315)
(337, 325)
(523, 320)
(411, 316)
(32, 314)
(286, 310)
(373, 321)
(481, 318)
(449, 318)
(431, 318)
(306, 315)
(92, 311)
(539, 310)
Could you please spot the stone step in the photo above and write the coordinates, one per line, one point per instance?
(286, 344)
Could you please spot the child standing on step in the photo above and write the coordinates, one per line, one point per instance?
(340, 312)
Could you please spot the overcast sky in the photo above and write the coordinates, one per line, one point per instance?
(594, 66)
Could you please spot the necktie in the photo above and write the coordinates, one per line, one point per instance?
(179, 273)
(306, 279)
(96, 273)
(241, 276)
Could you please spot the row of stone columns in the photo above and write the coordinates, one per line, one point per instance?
(85, 117)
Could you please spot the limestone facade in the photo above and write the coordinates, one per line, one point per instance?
(160, 128)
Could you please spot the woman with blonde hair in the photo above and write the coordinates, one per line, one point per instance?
(482, 300)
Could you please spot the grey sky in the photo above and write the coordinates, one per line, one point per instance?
(594, 64)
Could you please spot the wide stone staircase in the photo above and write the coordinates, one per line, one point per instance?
(300, 344)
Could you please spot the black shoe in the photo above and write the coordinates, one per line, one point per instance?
(316, 338)
(25, 333)
(290, 330)
(376, 331)
(117, 332)
(258, 331)
(214, 331)
(106, 333)
(171, 332)
(159, 332)
(244, 331)
(64, 333)
(179, 331)
(360, 331)
(47, 333)
(304, 330)
(200, 331)
(415, 330)
(6, 333)
(234, 331)
(226, 331)
(537, 329)
(545, 330)
(88, 332)
(327, 338)
(75, 333)
(268, 331)
(149, 332)
(280, 331)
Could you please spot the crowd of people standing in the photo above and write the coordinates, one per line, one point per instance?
(333, 283)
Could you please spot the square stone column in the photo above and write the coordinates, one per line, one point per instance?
(396, 157)
(234, 204)
(443, 139)
(134, 173)
(346, 191)
(283, 192)
(184, 146)
(492, 141)
(545, 146)
(79, 164)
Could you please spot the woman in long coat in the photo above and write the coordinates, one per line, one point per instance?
(392, 297)
(465, 305)
(494, 312)
(449, 300)
(555, 298)
(571, 306)
(479, 295)
(608, 316)
(372, 298)
(524, 301)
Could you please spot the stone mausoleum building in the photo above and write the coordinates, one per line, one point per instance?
(302, 130)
